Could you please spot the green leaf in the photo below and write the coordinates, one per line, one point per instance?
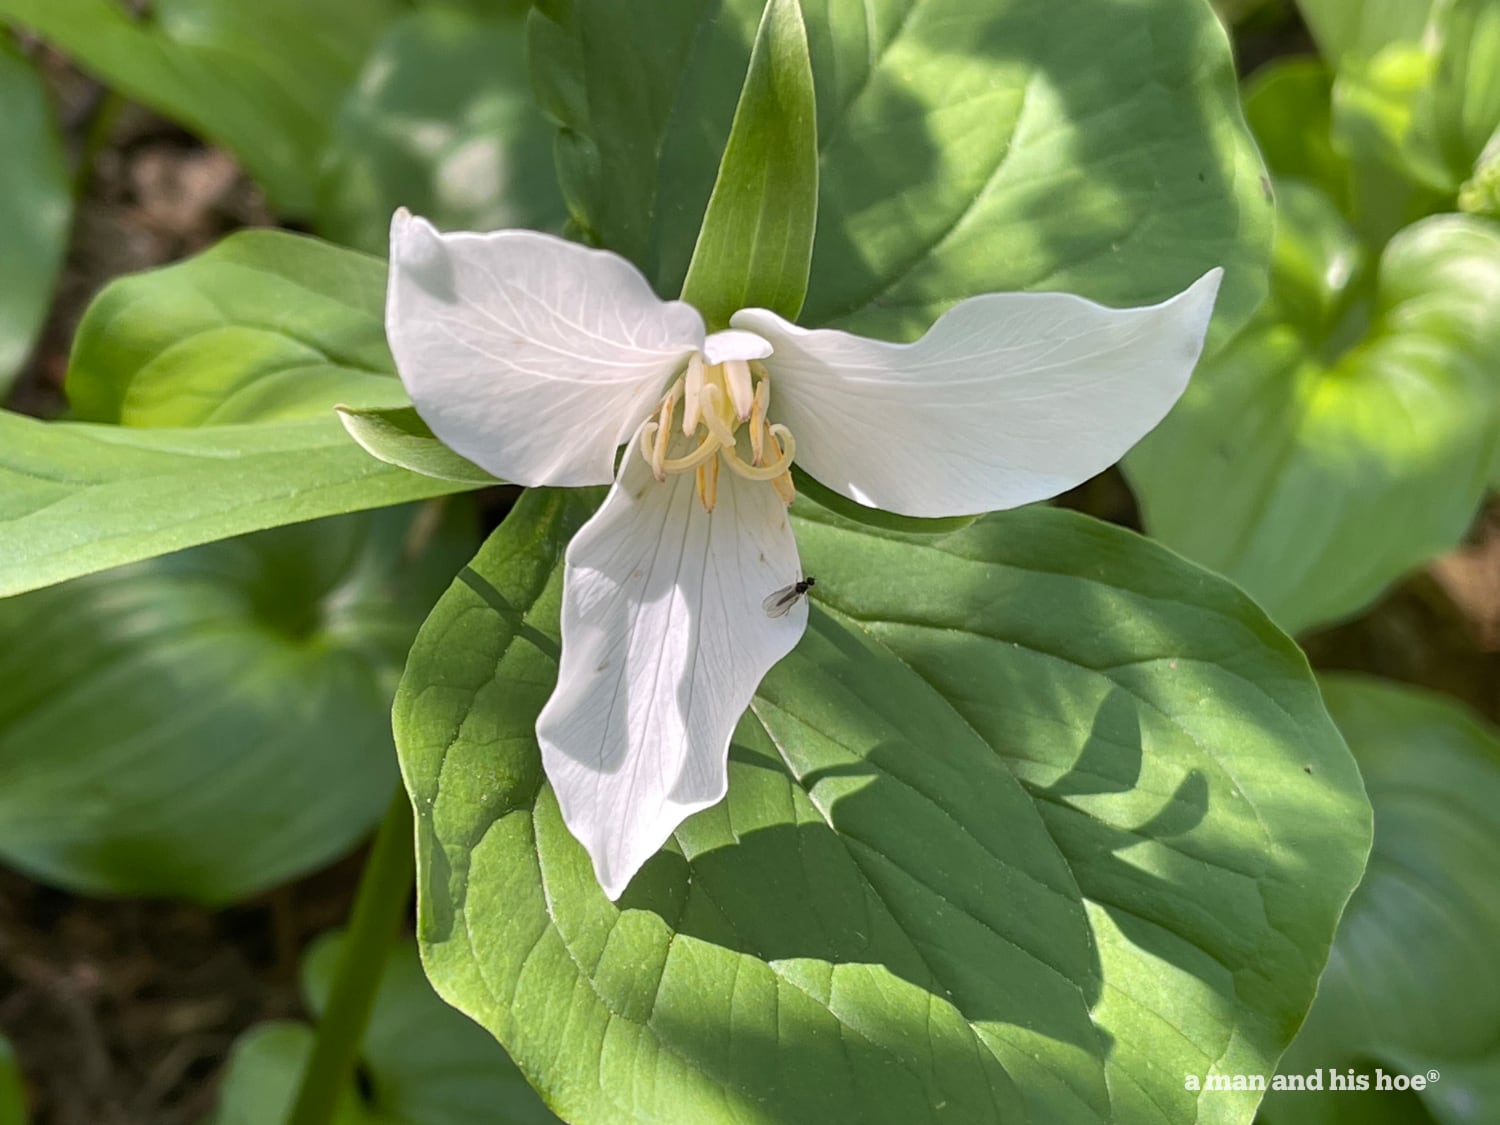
(75, 499)
(1346, 435)
(1358, 29)
(1020, 831)
(262, 326)
(755, 247)
(260, 1079)
(1466, 87)
(215, 722)
(1288, 104)
(426, 1063)
(1411, 986)
(400, 437)
(964, 148)
(441, 120)
(12, 1090)
(262, 80)
(36, 206)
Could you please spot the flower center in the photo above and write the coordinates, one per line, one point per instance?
(718, 401)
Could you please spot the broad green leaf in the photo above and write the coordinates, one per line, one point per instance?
(36, 205)
(964, 148)
(215, 722)
(75, 499)
(756, 243)
(1412, 985)
(12, 1091)
(1022, 831)
(1355, 29)
(263, 326)
(426, 1063)
(400, 437)
(264, 80)
(1346, 435)
(442, 121)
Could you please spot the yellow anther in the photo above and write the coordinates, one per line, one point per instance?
(785, 488)
(693, 396)
(708, 485)
(758, 420)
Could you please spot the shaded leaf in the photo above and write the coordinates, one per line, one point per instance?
(212, 723)
(1411, 986)
(441, 121)
(36, 205)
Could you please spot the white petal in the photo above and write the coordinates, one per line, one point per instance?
(733, 343)
(531, 356)
(1009, 398)
(664, 641)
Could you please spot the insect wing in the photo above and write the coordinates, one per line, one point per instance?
(777, 604)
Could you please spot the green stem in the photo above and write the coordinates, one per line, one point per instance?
(379, 907)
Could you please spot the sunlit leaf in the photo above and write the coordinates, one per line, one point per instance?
(965, 148)
(1022, 830)
(75, 499)
(1346, 435)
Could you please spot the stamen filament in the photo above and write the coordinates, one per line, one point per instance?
(706, 449)
(764, 472)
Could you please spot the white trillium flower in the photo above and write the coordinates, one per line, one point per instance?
(537, 358)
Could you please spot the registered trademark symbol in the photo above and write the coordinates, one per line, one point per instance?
(1433, 1076)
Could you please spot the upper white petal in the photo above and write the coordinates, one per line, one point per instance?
(664, 641)
(532, 356)
(1009, 397)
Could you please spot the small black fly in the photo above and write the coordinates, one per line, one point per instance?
(777, 604)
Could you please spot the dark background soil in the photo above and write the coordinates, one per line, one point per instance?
(122, 1012)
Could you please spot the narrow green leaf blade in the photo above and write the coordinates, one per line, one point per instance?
(755, 247)
(78, 498)
(1022, 829)
(400, 437)
(36, 205)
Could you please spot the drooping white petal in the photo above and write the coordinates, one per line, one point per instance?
(1008, 398)
(532, 356)
(664, 640)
